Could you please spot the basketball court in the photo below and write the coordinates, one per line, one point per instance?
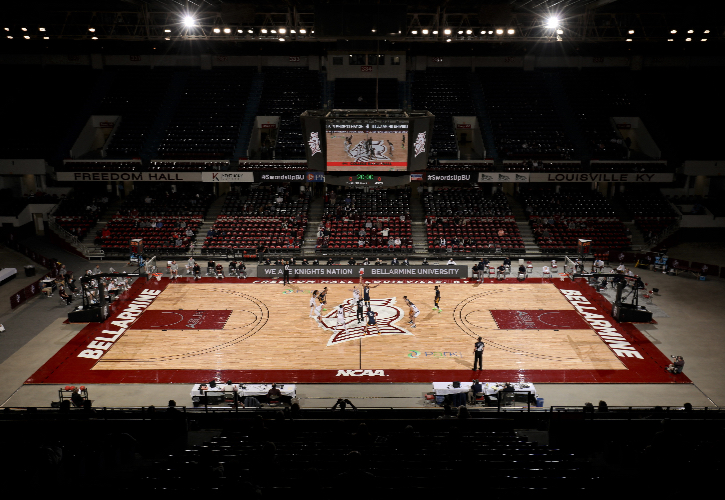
(540, 331)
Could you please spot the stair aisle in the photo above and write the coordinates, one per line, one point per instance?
(314, 218)
(250, 113)
(531, 249)
(418, 228)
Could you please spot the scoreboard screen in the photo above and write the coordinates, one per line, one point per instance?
(367, 145)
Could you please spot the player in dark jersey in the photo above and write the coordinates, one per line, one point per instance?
(323, 298)
(360, 313)
(366, 293)
(437, 300)
(371, 321)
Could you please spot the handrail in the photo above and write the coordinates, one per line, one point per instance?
(71, 238)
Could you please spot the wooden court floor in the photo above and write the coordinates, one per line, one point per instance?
(270, 329)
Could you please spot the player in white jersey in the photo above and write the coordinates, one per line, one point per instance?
(414, 311)
(355, 297)
(312, 303)
(341, 318)
(318, 313)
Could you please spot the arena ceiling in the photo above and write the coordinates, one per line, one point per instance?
(503, 24)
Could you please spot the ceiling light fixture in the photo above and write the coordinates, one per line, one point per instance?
(303, 31)
(167, 31)
(263, 30)
(189, 21)
(41, 29)
(688, 39)
(673, 31)
(511, 31)
(92, 30)
(447, 31)
(552, 22)
(468, 32)
(448, 39)
(690, 31)
(704, 40)
(281, 39)
(26, 37)
(24, 29)
(706, 31)
(283, 30)
(94, 38)
(217, 30)
(227, 30)
(425, 32)
(499, 31)
(631, 32)
(414, 32)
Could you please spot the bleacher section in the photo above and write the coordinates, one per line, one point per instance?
(359, 93)
(80, 211)
(170, 239)
(470, 222)
(207, 119)
(267, 218)
(651, 212)
(342, 221)
(560, 219)
(524, 121)
(136, 95)
(287, 92)
(445, 93)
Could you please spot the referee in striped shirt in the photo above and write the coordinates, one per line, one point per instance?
(285, 274)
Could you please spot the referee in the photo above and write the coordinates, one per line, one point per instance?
(478, 354)
(285, 275)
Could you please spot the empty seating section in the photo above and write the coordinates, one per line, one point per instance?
(445, 93)
(187, 201)
(136, 95)
(169, 239)
(207, 119)
(101, 166)
(462, 220)
(560, 219)
(360, 93)
(347, 212)
(287, 92)
(595, 97)
(651, 212)
(393, 461)
(522, 114)
(188, 166)
(266, 218)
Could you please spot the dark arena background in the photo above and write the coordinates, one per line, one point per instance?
(345, 246)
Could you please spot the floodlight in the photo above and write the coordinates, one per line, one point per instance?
(250, 31)
(240, 31)
(688, 39)
(7, 29)
(673, 31)
(559, 32)
(281, 39)
(447, 31)
(303, 31)
(670, 39)
(499, 31)
(189, 21)
(217, 30)
(631, 32)
(706, 31)
(26, 37)
(167, 38)
(293, 32)
(628, 40)
(490, 32)
(273, 31)
(511, 31)
(460, 32)
(704, 40)
(10, 37)
(41, 29)
(282, 30)
(24, 29)
(552, 22)
(483, 32)
(448, 39)
(690, 31)
(94, 38)
(425, 32)
(227, 30)
(414, 32)
(435, 32)
(46, 38)
(167, 31)
(92, 30)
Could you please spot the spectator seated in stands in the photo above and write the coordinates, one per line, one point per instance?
(522, 273)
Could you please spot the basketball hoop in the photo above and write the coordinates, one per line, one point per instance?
(157, 276)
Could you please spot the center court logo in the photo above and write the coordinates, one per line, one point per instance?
(386, 315)
(376, 151)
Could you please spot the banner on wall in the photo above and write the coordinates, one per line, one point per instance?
(449, 177)
(353, 272)
(503, 177)
(279, 177)
(227, 176)
(600, 177)
(129, 176)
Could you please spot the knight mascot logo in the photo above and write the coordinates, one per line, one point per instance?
(366, 151)
(387, 315)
